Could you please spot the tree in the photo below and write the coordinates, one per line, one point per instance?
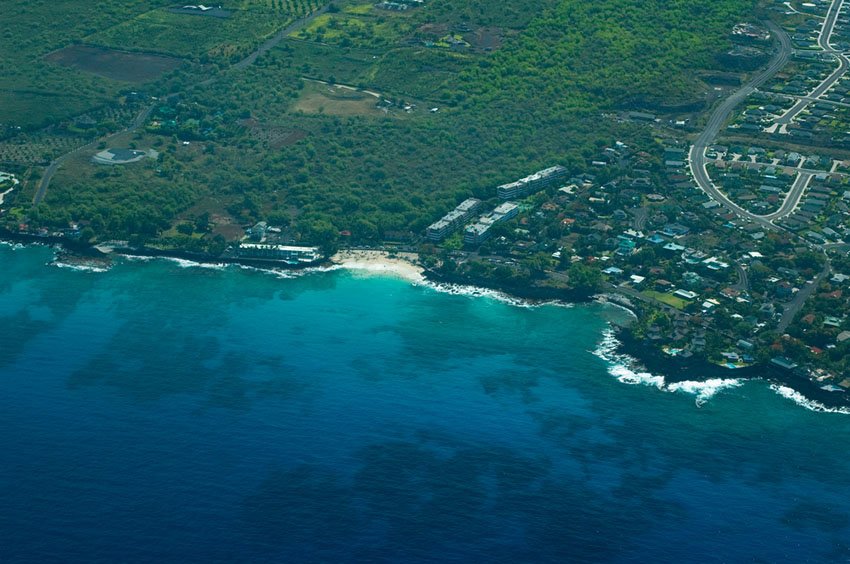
(585, 279)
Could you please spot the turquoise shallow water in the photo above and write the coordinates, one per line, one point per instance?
(156, 412)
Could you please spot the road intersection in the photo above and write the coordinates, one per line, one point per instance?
(697, 155)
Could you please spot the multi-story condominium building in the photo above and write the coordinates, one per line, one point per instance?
(530, 184)
(453, 220)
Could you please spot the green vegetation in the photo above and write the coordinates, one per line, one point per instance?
(268, 145)
(204, 39)
(36, 92)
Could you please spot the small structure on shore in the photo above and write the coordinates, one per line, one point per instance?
(284, 253)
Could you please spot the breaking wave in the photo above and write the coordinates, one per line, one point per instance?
(80, 267)
(803, 401)
(185, 263)
(626, 370)
(479, 292)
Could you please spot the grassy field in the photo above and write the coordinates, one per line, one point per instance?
(335, 101)
(204, 38)
(668, 299)
(116, 65)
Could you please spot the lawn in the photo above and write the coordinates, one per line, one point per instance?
(668, 299)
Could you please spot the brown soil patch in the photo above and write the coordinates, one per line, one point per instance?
(274, 136)
(434, 29)
(485, 38)
(117, 65)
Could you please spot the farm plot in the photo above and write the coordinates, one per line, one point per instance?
(113, 64)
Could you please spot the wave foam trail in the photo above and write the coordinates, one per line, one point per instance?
(276, 272)
(803, 401)
(184, 263)
(80, 267)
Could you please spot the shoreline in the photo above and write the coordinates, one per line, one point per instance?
(399, 265)
(634, 354)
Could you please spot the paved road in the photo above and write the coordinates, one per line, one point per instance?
(823, 41)
(142, 117)
(54, 165)
(697, 159)
(641, 215)
(278, 37)
(819, 100)
(743, 284)
(787, 169)
(794, 307)
(795, 194)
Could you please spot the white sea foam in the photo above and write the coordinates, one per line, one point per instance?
(801, 400)
(626, 370)
(185, 263)
(614, 300)
(627, 375)
(79, 267)
(479, 292)
(276, 272)
(620, 307)
(138, 258)
(11, 245)
(704, 391)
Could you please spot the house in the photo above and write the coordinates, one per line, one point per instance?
(832, 322)
(685, 294)
(675, 230)
(784, 289)
(663, 285)
(625, 245)
(783, 363)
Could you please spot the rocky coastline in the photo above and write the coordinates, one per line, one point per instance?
(645, 356)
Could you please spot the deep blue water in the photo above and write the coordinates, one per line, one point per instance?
(158, 413)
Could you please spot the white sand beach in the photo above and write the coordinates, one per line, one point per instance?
(402, 265)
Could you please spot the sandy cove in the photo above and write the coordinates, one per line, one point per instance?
(402, 265)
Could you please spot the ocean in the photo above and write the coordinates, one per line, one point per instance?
(160, 411)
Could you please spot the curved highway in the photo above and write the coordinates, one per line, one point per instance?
(697, 160)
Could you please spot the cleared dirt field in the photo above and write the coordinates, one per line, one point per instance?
(335, 100)
(274, 136)
(485, 38)
(117, 65)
